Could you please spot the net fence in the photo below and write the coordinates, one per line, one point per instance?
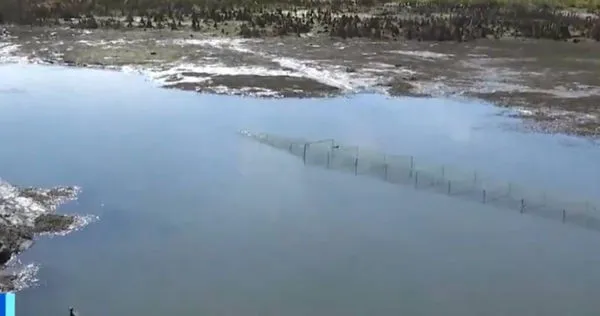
(442, 179)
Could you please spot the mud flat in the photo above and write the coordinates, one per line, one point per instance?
(555, 85)
(535, 60)
(25, 214)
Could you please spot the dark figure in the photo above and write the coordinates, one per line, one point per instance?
(195, 22)
(129, 20)
(72, 312)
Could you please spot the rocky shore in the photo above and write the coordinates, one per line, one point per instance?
(25, 213)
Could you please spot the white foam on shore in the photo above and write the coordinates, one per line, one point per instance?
(311, 71)
(233, 44)
(224, 70)
(25, 275)
(331, 75)
(326, 72)
(246, 91)
(108, 44)
(422, 54)
(9, 53)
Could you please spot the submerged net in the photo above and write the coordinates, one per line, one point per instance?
(405, 170)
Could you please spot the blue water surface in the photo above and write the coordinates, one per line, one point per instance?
(196, 220)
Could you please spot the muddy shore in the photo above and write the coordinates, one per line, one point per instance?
(555, 84)
(537, 60)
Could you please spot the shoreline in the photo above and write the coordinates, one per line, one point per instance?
(27, 213)
(552, 85)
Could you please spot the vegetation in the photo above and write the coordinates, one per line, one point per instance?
(460, 20)
(25, 11)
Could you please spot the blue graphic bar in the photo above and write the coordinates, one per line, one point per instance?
(7, 304)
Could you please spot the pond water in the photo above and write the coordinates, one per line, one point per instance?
(195, 220)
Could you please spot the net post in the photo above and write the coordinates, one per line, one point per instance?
(474, 178)
(385, 171)
(304, 153)
(328, 159)
(564, 215)
(385, 168)
(412, 165)
(416, 179)
(522, 206)
(449, 186)
(443, 172)
(356, 161)
(483, 196)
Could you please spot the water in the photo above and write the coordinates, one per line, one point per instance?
(196, 220)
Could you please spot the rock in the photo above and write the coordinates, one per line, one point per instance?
(402, 87)
(14, 240)
(7, 282)
(25, 212)
(52, 223)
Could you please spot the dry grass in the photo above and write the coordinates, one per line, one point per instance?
(579, 4)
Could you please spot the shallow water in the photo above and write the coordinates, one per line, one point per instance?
(196, 220)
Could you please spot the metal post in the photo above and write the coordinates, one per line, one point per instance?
(412, 165)
(564, 216)
(483, 196)
(522, 206)
(356, 166)
(385, 171)
(328, 159)
(416, 179)
(449, 186)
(385, 167)
(304, 154)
